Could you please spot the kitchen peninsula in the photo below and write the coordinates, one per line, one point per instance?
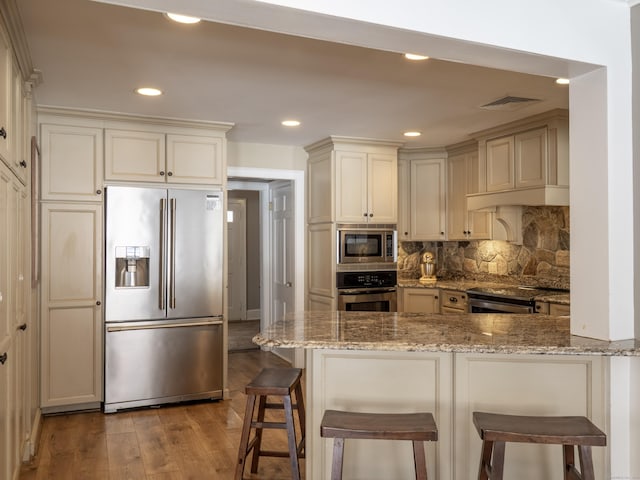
(450, 365)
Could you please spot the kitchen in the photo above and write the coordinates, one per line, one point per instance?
(593, 270)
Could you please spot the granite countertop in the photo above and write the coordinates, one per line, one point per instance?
(460, 333)
(463, 285)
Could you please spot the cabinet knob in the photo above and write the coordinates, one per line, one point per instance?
(406, 233)
(22, 327)
(23, 164)
(98, 192)
(3, 358)
(364, 214)
(435, 296)
(3, 133)
(169, 173)
(453, 299)
(98, 303)
(441, 233)
(161, 173)
(370, 215)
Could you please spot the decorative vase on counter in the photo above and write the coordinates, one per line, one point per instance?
(427, 269)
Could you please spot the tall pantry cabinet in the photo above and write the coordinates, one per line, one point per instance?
(18, 326)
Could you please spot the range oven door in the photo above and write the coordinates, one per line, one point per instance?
(477, 305)
(367, 300)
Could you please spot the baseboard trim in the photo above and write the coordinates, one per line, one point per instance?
(253, 314)
(31, 445)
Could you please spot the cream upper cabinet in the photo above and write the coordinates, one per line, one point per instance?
(153, 156)
(352, 181)
(71, 299)
(530, 154)
(403, 200)
(366, 187)
(6, 100)
(462, 179)
(500, 164)
(420, 300)
(72, 162)
(427, 215)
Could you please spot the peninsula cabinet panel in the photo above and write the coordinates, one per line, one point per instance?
(134, 156)
(527, 385)
(71, 305)
(322, 259)
(380, 382)
(195, 159)
(72, 163)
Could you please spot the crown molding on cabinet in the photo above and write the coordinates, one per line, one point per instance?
(13, 24)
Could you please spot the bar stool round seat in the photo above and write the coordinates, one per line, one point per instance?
(570, 432)
(273, 382)
(416, 427)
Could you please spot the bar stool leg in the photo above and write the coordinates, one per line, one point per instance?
(485, 460)
(262, 401)
(497, 465)
(338, 453)
(301, 418)
(291, 437)
(419, 460)
(586, 462)
(569, 461)
(244, 439)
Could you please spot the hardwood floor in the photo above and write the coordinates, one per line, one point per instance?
(188, 441)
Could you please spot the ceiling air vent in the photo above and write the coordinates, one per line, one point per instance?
(509, 103)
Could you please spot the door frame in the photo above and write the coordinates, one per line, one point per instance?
(240, 281)
(297, 178)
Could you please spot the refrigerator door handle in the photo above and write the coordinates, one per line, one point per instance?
(163, 281)
(168, 325)
(172, 255)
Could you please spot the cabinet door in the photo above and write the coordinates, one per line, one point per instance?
(6, 79)
(72, 163)
(500, 174)
(382, 188)
(351, 187)
(19, 164)
(479, 224)
(559, 309)
(456, 198)
(134, 156)
(427, 201)
(404, 186)
(420, 300)
(531, 158)
(195, 159)
(71, 368)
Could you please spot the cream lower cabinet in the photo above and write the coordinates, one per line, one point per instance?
(71, 306)
(419, 300)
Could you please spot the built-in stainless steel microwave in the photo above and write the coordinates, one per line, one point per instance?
(367, 246)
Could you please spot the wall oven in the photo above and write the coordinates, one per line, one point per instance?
(364, 245)
(370, 291)
(504, 300)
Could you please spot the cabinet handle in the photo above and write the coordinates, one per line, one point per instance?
(170, 173)
(22, 327)
(3, 133)
(453, 299)
(161, 173)
(23, 164)
(3, 358)
(98, 303)
(99, 192)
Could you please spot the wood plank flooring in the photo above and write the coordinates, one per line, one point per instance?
(187, 441)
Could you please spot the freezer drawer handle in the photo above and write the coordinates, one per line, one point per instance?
(154, 327)
(162, 292)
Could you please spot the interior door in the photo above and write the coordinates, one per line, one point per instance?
(283, 250)
(237, 258)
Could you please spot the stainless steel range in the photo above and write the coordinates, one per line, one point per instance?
(505, 300)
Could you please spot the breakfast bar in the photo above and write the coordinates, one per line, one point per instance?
(451, 366)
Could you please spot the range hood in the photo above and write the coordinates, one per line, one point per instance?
(545, 195)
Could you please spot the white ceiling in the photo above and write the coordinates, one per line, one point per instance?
(93, 55)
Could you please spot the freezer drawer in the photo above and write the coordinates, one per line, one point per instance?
(155, 362)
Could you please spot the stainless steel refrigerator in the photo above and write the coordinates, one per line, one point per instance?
(163, 296)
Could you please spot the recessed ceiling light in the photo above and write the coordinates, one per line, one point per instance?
(415, 56)
(149, 91)
(291, 123)
(176, 17)
(562, 81)
(412, 134)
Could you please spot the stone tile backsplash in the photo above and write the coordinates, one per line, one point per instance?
(542, 259)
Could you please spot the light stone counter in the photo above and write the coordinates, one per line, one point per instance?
(464, 333)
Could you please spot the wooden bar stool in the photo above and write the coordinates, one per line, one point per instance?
(496, 429)
(417, 427)
(280, 382)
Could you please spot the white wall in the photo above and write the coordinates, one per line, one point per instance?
(258, 155)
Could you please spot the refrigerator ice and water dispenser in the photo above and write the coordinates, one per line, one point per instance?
(132, 267)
